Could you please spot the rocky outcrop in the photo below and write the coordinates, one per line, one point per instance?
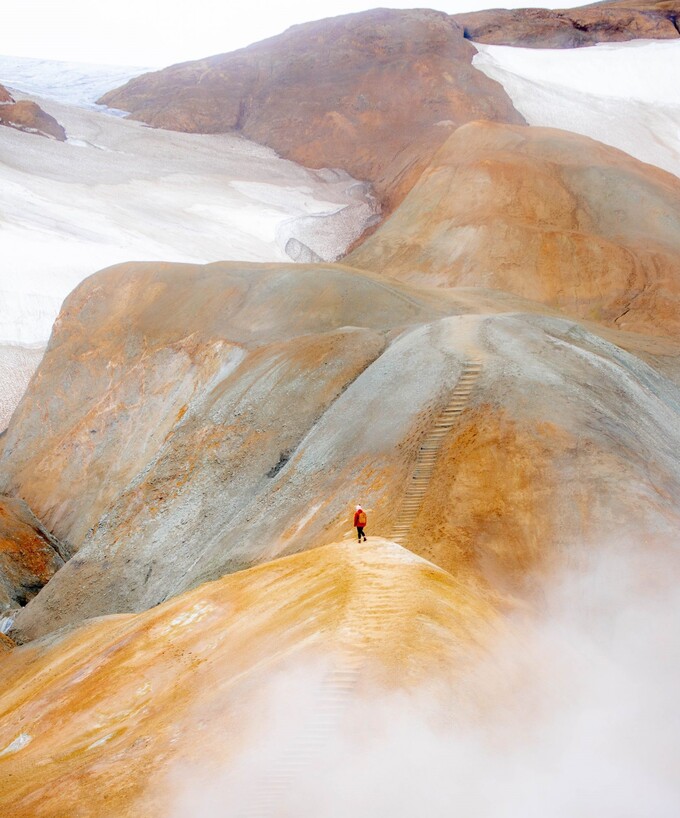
(544, 214)
(373, 93)
(182, 683)
(29, 555)
(573, 28)
(214, 418)
(29, 117)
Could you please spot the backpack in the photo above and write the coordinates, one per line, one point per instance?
(361, 519)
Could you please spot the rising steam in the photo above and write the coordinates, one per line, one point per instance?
(574, 715)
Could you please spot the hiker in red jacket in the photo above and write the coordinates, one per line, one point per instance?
(360, 522)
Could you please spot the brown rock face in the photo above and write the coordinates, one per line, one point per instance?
(546, 215)
(29, 556)
(29, 117)
(374, 93)
(572, 28)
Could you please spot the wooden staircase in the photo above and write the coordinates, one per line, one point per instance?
(429, 451)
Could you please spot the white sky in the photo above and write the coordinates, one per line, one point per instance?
(160, 32)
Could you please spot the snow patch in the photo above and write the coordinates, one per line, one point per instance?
(68, 211)
(6, 623)
(199, 611)
(101, 741)
(18, 744)
(622, 94)
(17, 365)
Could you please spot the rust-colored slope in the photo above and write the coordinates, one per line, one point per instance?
(143, 695)
(29, 556)
(616, 21)
(544, 214)
(140, 351)
(374, 93)
(219, 417)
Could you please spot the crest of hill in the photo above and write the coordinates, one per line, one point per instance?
(544, 214)
(374, 93)
(187, 422)
(572, 28)
(184, 680)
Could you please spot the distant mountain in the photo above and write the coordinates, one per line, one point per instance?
(615, 21)
(374, 93)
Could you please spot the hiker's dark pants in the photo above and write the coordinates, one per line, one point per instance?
(360, 532)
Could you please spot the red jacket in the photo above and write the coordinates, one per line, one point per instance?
(359, 519)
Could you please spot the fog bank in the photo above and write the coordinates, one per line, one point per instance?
(574, 714)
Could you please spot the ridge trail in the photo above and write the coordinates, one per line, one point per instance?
(375, 603)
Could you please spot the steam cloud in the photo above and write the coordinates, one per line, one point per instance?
(574, 716)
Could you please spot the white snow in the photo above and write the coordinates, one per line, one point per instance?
(623, 94)
(118, 191)
(6, 623)
(18, 744)
(100, 742)
(17, 365)
(71, 82)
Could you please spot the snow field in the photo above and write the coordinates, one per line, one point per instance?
(119, 191)
(622, 94)
(17, 365)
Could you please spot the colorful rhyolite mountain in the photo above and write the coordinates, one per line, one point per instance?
(543, 214)
(374, 93)
(29, 555)
(611, 21)
(494, 374)
(190, 421)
